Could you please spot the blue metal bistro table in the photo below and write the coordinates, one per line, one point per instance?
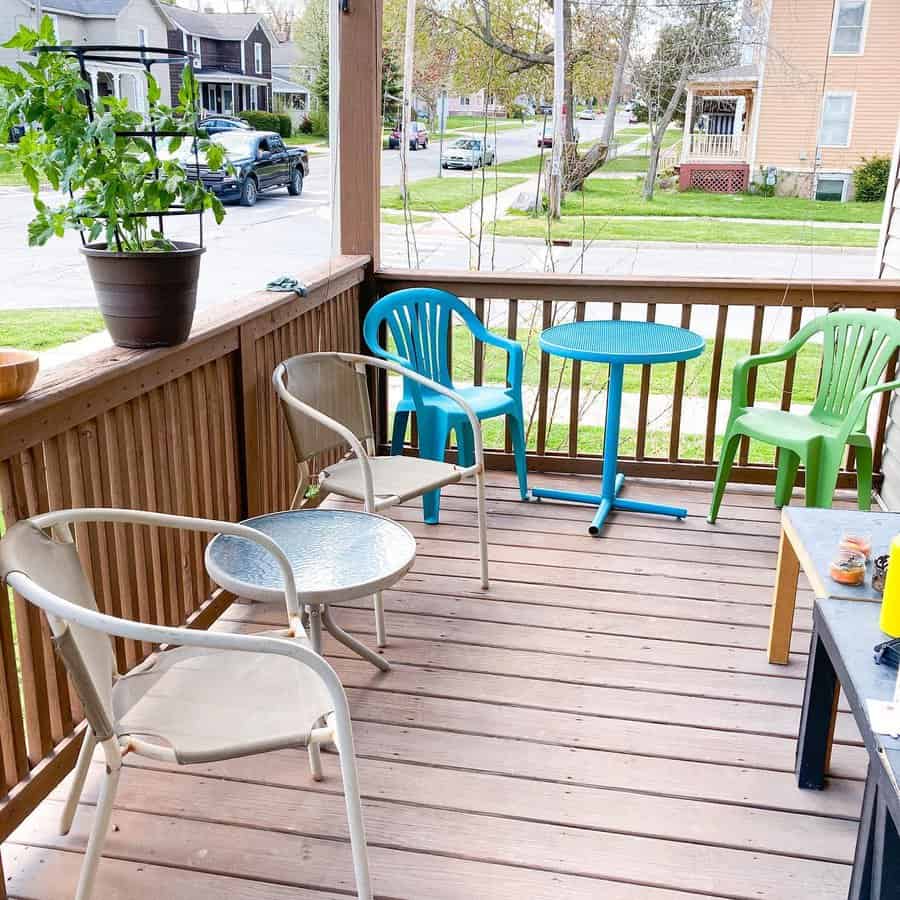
(618, 343)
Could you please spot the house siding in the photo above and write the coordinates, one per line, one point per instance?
(799, 72)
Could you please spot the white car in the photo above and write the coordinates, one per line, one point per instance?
(585, 114)
(468, 153)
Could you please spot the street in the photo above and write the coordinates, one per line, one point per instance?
(285, 235)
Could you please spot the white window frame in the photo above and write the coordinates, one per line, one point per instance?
(828, 94)
(834, 176)
(195, 49)
(862, 37)
(142, 37)
(257, 57)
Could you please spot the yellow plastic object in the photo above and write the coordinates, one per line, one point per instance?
(890, 606)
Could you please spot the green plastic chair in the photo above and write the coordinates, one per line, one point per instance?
(856, 348)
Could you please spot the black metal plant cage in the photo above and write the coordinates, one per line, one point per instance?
(147, 57)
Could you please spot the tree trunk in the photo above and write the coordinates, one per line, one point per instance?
(659, 132)
(579, 167)
(609, 123)
(568, 90)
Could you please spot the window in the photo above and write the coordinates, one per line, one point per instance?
(195, 49)
(849, 28)
(142, 37)
(832, 187)
(253, 97)
(837, 116)
(54, 19)
(227, 99)
(257, 59)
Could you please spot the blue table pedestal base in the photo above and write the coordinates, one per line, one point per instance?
(605, 506)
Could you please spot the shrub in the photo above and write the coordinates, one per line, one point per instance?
(515, 111)
(319, 120)
(871, 179)
(285, 125)
(261, 120)
(306, 126)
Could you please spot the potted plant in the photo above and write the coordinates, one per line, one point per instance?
(112, 182)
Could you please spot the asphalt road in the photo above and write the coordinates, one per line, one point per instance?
(285, 235)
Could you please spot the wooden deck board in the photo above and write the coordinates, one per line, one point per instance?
(601, 723)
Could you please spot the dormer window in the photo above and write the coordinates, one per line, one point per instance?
(257, 58)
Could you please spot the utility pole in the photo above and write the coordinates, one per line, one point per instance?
(406, 107)
(554, 186)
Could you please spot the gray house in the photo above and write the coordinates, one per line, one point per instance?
(125, 22)
(232, 57)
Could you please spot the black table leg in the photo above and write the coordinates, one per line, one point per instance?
(861, 879)
(885, 855)
(817, 720)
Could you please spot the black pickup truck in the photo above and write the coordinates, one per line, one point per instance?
(259, 161)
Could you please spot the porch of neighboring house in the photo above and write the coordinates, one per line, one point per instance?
(123, 81)
(719, 129)
(290, 98)
(228, 93)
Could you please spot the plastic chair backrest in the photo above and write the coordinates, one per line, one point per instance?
(856, 348)
(419, 321)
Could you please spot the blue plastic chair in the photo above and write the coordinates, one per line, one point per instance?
(419, 320)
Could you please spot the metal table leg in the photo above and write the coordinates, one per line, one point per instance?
(348, 640)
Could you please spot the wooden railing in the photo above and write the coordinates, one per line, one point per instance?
(190, 430)
(724, 147)
(564, 401)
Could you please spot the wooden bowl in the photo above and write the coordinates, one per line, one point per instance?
(18, 369)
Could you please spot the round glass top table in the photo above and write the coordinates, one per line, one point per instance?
(617, 343)
(336, 555)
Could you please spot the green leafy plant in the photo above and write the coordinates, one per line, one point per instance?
(870, 179)
(108, 180)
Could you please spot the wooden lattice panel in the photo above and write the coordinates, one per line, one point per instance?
(719, 181)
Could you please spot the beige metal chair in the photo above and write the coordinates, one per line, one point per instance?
(214, 696)
(325, 400)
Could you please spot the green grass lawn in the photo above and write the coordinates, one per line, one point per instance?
(590, 440)
(626, 164)
(623, 198)
(527, 165)
(307, 140)
(446, 194)
(10, 173)
(472, 123)
(41, 329)
(697, 371)
(397, 218)
(697, 231)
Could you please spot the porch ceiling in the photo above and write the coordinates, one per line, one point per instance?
(601, 723)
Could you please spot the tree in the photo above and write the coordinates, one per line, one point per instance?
(282, 16)
(321, 85)
(701, 37)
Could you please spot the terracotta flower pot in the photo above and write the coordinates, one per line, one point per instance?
(147, 299)
(18, 369)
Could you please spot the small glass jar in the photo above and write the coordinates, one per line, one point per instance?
(857, 543)
(848, 567)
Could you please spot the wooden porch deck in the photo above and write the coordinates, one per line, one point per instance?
(602, 724)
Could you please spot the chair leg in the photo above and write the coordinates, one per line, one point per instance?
(380, 631)
(517, 436)
(482, 530)
(81, 769)
(433, 435)
(398, 435)
(729, 448)
(101, 820)
(315, 760)
(354, 816)
(788, 463)
(864, 477)
(465, 444)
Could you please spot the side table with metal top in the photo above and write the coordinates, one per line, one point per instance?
(618, 343)
(336, 555)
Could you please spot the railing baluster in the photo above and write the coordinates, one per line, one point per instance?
(678, 393)
(640, 441)
(478, 374)
(575, 389)
(544, 383)
(715, 380)
(512, 327)
(755, 342)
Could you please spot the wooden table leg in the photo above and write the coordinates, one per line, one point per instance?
(783, 601)
(818, 717)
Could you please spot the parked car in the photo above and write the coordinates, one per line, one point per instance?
(587, 114)
(259, 161)
(545, 109)
(418, 137)
(217, 124)
(468, 153)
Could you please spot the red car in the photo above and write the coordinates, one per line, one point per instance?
(418, 137)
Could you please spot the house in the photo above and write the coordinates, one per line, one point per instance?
(292, 78)
(817, 88)
(124, 22)
(232, 57)
(479, 103)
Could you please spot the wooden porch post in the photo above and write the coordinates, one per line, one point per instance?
(360, 127)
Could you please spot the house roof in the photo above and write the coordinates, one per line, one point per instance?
(286, 86)
(731, 73)
(217, 26)
(84, 9)
(286, 53)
